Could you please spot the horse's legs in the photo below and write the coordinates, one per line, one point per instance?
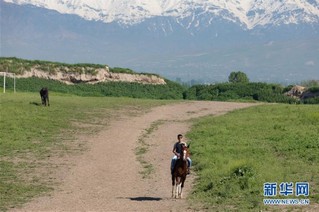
(181, 190)
(44, 100)
(173, 185)
(178, 187)
(177, 191)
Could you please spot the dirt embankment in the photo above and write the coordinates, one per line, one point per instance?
(100, 75)
(108, 176)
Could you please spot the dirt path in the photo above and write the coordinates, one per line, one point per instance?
(108, 178)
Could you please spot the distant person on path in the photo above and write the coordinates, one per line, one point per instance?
(177, 152)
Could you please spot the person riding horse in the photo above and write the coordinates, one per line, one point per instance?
(180, 167)
(177, 149)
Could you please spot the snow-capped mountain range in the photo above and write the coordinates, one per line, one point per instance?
(269, 40)
(247, 13)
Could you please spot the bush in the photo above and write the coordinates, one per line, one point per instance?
(235, 91)
(121, 70)
(314, 100)
(313, 89)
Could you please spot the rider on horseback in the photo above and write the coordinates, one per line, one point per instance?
(177, 149)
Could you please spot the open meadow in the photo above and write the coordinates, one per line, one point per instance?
(234, 154)
(31, 134)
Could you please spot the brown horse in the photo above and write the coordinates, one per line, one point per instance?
(180, 173)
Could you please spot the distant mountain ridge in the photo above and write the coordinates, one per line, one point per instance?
(188, 13)
(197, 44)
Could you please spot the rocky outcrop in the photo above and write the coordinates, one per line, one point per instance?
(97, 75)
(296, 91)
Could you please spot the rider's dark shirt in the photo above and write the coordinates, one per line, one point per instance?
(178, 147)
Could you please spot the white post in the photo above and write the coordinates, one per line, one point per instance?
(14, 83)
(4, 82)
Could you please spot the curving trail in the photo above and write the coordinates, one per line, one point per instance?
(107, 177)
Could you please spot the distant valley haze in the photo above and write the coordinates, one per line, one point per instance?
(199, 40)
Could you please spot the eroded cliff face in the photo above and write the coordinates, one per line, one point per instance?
(100, 75)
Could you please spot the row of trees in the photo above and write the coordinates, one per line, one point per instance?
(239, 91)
(239, 88)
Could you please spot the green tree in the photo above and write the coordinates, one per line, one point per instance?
(238, 77)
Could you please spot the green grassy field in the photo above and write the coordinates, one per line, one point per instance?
(32, 134)
(235, 154)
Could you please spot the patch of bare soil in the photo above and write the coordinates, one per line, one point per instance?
(108, 176)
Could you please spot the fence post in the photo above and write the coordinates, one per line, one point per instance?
(14, 82)
(4, 82)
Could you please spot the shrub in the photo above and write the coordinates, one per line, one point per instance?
(314, 100)
(234, 91)
(314, 89)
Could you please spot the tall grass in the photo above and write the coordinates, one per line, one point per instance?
(31, 133)
(237, 153)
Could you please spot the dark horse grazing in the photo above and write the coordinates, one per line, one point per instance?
(44, 93)
(180, 173)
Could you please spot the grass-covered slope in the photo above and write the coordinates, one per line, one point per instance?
(170, 90)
